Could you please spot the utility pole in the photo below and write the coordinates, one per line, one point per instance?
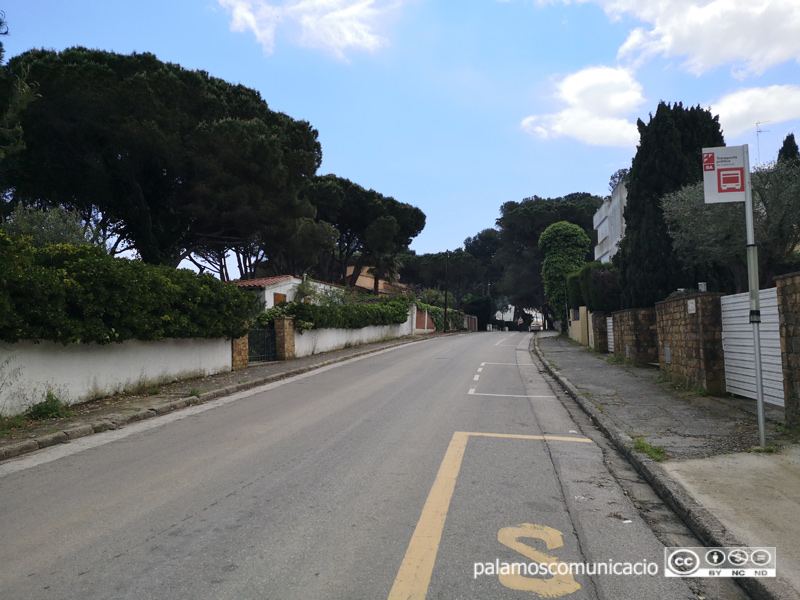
(446, 264)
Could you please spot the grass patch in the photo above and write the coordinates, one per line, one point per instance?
(790, 431)
(194, 392)
(8, 424)
(657, 453)
(554, 365)
(50, 408)
(764, 450)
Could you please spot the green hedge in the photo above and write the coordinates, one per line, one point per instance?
(388, 310)
(575, 298)
(69, 294)
(600, 286)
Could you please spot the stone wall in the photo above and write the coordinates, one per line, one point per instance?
(284, 337)
(690, 342)
(600, 332)
(635, 336)
(789, 314)
(240, 352)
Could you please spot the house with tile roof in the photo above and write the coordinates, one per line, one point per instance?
(277, 289)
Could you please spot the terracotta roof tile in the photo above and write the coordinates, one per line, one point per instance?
(261, 282)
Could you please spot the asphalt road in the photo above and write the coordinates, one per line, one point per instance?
(409, 473)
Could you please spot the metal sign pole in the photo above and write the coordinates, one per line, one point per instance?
(726, 178)
(755, 303)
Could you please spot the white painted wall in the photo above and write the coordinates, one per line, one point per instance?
(315, 341)
(289, 288)
(79, 372)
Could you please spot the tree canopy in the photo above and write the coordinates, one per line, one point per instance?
(15, 94)
(668, 158)
(714, 234)
(170, 160)
(47, 227)
(789, 152)
(520, 225)
(564, 246)
(371, 229)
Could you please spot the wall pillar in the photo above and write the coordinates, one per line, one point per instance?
(600, 332)
(284, 337)
(789, 318)
(240, 353)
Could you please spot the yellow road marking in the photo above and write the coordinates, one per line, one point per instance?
(414, 576)
(505, 395)
(549, 438)
(554, 587)
(415, 572)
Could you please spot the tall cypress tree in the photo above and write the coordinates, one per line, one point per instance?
(669, 157)
(789, 152)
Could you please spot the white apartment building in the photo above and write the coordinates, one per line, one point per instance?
(609, 223)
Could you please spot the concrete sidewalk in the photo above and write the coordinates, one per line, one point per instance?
(726, 493)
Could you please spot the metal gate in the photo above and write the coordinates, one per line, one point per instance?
(262, 345)
(737, 344)
(610, 330)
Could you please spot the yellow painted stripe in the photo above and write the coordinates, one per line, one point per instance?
(549, 438)
(415, 572)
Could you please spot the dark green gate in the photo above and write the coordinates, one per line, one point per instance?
(262, 345)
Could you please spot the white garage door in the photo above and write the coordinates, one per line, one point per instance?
(737, 343)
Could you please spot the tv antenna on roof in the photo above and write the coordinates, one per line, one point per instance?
(758, 132)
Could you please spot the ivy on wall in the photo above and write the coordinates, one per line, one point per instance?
(456, 317)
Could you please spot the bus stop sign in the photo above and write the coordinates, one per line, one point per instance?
(725, 173)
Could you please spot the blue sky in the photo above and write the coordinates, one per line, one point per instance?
(458, 107)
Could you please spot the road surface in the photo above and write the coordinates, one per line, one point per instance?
(415, 472)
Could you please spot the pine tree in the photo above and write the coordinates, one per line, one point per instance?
(669, 157)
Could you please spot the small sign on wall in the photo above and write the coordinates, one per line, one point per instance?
(691, 306)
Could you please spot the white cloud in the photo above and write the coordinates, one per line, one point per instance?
(332, 25)
(752, 35)
(597, 101)
(742, 109)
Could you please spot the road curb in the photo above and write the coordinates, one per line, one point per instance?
(709, 530)
(117, 420)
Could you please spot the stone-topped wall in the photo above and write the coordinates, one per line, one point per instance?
(789, 314)
(635, 337)
(690, 342)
